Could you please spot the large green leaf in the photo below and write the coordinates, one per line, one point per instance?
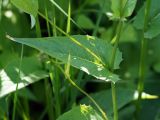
(122, 8)
(88, 54)
(28, 6)
(31, 71)
(154, 19)
(81, 112)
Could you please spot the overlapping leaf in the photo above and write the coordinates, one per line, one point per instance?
(31, 72)
(122, 8)
(88, 54)
(28, 6)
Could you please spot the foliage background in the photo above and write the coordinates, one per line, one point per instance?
(39, 100)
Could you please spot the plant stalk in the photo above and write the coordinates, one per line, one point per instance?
(113, 87)
(142, 64)
(46, 83)
(85, 93)
(100, 15)
(46, 14)
(16, 92)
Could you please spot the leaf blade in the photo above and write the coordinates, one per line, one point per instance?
(28, 6)
(81, 112)
(30, 72)
(61, 47)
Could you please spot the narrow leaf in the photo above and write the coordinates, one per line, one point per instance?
(69, 18)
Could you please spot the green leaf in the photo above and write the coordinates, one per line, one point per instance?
(158, 115)
(104, 4)
(88, 54)
(156, 67)
(131, 37)
(28, 6)
(153, 29)
(81, 112)
(31, 71)
(3, 107)
(84, 22)
(154, 20)
(104, 99)
(27, 94)
(33, 21)
(122, 8)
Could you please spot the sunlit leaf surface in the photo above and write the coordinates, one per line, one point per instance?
(31, 71)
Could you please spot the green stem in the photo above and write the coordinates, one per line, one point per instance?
(56, 89)
(54, 74)
(115, 109)
(62, 11)
(99, 19)
(47, 84)
(46, 14)
(85, 93)
(16, 92)
(49, 103)
(54, 22)
(68, 28)
(112, 61)
(38, 29)
(142, 64)
(74, 40)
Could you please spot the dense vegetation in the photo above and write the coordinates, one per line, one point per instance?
(79, 60)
